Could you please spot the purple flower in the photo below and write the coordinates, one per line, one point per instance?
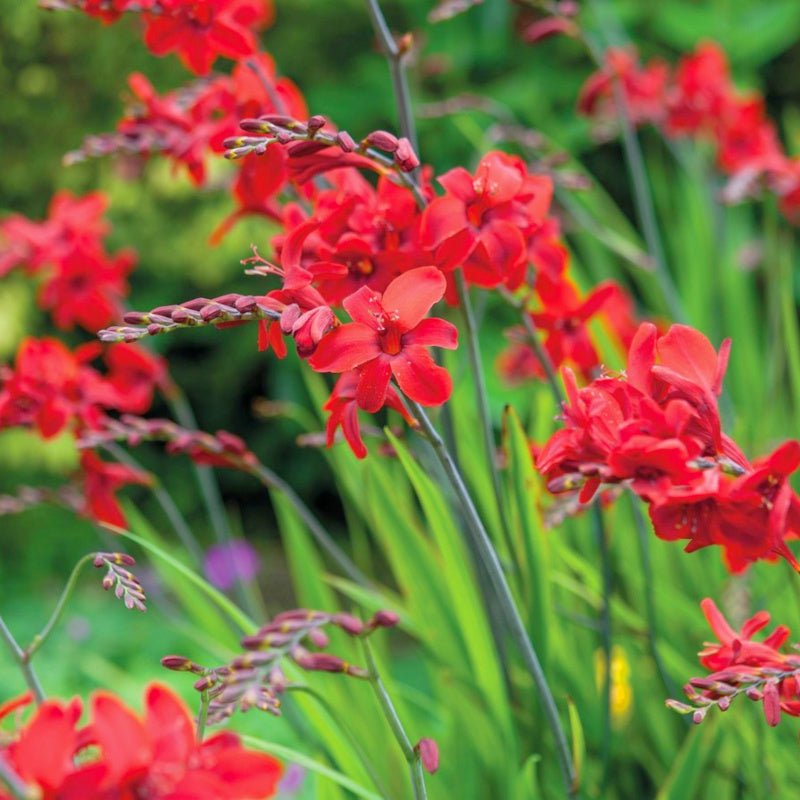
(225, 563)
(292, 781)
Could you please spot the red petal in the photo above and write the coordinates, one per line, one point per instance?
(443, 218)
(717, 622)
(373, 383)
(412, 294)
(168, 724)
(689, 353)
(433, 332)
(363, 307)
(121, 736)
(421, 378)
(345, 347)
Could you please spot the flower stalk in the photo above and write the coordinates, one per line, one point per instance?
(488, 555)
(400, 735)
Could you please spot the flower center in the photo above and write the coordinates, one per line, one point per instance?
(391, 339)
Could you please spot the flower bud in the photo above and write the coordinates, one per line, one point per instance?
(345, 141)
(405, 157)
(385, 619)
(772, 704)
(315, 123)
(383, 140)
(348, 623)
(428, 754)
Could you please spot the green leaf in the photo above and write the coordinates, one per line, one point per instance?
(295, 756)
(531, 551)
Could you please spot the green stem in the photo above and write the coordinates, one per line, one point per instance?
(482, 399)
(212, 499)
(164, 499)
(649, 598)
(483, 545)
(400, 735)
(349, 735)
(23, 662)
(605, 627)
(209, 487)
(538, 347)
(202, 716)
(14, 783)
(645, 210)
(41, 637)
(272, 481)
(398, 73)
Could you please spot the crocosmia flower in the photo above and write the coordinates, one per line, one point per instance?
(121, 755)
(389, 337)
(202, 30)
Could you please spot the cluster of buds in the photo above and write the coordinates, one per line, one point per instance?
(31, 496)
(221, 449)
(126, 585)
(768, 685)
(306, 139)
(256, 678)
(228, 309)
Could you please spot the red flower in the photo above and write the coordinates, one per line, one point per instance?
(134, 374)
(69, 219)
(101, 481)
(487, 220)
(658, 430)
(740, 665)
(52, 388)
(87, 287)
(388, 337)
(157, 757)
(201, 30)
(644, 88)
(701, 91)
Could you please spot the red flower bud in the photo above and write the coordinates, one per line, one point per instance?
(428, 754)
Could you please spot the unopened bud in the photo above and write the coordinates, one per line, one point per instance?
(405, 157)
(348, 623)
(383, 140)
(772, 704)
(315, 123)
(345, 141)
(428, 754)
(177, 663)
(385, 619)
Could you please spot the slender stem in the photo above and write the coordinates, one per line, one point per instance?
(164, 499)
(268, 86)
(544, 357)
(202, 715)
(538, 348)
(605, 627)
(209, 490)
(22, 660)
(13, 782)
(349, 735)
(272, 481)
(400, 735)
(516, 627)
(482, 399)
(398, 73)
(205, 475)
(649, 598)
(40, 638)
(645, 209)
